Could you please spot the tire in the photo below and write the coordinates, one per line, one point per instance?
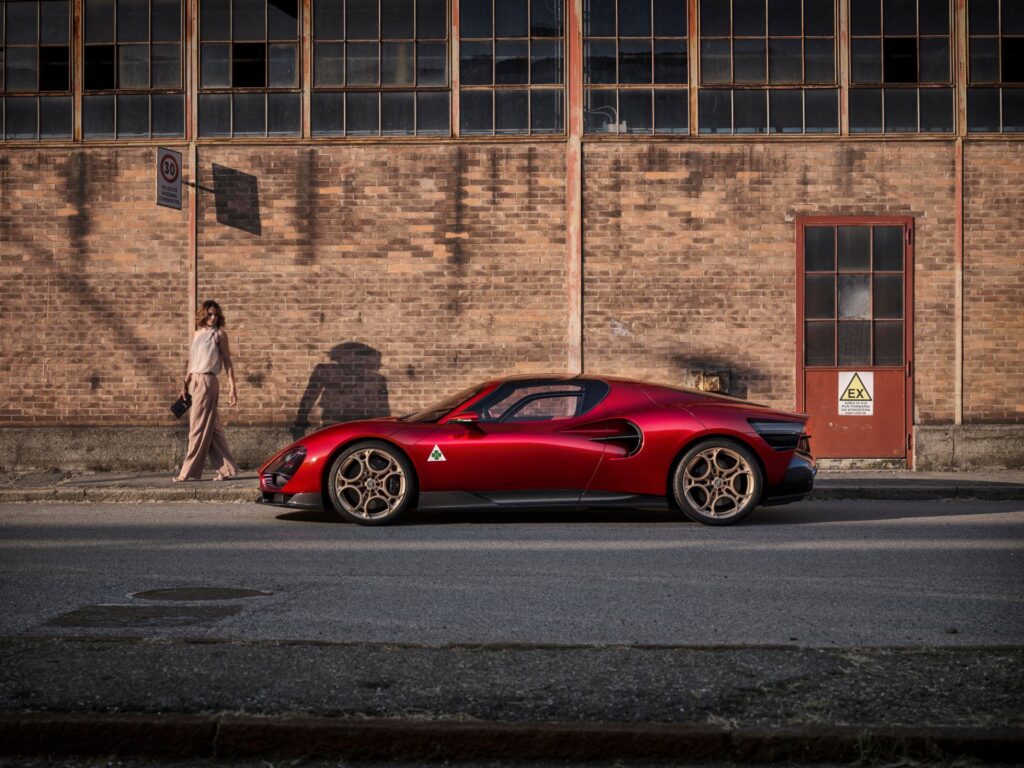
(371, 483)
(717, 482)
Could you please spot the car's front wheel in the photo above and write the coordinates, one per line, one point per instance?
(371, 483)
(717, 482)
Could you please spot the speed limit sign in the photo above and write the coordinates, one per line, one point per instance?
(168, 178)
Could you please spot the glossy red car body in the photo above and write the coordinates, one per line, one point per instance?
(621, 451)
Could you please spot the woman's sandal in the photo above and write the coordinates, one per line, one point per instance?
(220, 476)
(183, 479)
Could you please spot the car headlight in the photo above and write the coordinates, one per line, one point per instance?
(284, 468)
(780, 435)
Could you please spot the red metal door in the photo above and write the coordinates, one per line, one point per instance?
(854, 332)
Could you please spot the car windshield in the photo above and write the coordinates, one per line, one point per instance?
(438, 411)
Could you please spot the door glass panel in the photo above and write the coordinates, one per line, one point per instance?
(889, 343)
(548, 408)
(854, 249)
(854, 297)
(888, 246)
(854, 343)
(820, 296)
(820, 343)
(888, 296)
(820, 249)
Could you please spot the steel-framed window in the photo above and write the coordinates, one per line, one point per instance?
(512, 67)
(249, 68)
(995, 73)
(133, 78)
(635, 66)
(35, 69)
(768, 66)
(900, 73)
(853, 295)
(380, 68)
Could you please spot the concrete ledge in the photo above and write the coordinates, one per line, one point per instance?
(127, 449)
(976, 446)
(239, 736)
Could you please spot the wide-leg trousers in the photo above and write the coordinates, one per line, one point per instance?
(205, 431)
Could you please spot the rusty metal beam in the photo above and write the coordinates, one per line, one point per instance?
(844, 67)
(191, 38)
(453, 46)
(960, 65)
(960, 93)
(693, 58)
(306, 68)
(77, 69)
(191, 63)
(958, 287)
(574, 188)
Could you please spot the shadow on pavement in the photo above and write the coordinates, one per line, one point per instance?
(796, 514)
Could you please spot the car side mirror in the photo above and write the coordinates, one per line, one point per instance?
(466, 417)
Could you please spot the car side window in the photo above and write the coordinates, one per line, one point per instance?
(541, 399)
(544, 408)
(515, 394)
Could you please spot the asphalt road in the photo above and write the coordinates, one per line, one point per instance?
(813, 574)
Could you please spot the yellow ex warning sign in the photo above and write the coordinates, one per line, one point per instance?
(855, 393)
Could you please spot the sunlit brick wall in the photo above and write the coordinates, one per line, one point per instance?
(691, 255)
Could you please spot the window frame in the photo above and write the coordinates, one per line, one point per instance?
(115, 94)
(888, 93)
(382, 90)
(999, 86)
(62, 99)
(207, 94)
(616, 88)
(466, 92)
(707, 92)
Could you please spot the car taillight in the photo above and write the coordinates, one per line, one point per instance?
(780, 435)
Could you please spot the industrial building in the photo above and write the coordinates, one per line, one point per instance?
(813, 204)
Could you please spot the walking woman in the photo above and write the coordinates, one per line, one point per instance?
(208, 355)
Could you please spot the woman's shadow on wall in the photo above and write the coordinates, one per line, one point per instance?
(349, 386)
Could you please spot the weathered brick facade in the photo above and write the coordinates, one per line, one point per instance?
(994, 282)
(691, 255)
(91, 288)
(356, 280)
(371, 278)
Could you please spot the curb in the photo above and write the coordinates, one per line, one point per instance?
(240, 736)
(914, 492)
(918, 492)
(126, 495)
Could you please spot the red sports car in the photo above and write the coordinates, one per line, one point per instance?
(552, 441)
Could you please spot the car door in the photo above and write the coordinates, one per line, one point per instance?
(522, 443)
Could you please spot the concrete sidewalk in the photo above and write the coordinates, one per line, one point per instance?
(894, 485)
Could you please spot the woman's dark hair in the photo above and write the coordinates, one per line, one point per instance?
(208, 306)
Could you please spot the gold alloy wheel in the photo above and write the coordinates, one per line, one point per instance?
(371, 484)
(718, 482)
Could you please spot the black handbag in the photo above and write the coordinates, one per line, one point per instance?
(181, 405)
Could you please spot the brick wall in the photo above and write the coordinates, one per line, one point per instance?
(993, 282)
(361, 279)
(690, 255)
(356, 280)
(372, 279)
(93, 285)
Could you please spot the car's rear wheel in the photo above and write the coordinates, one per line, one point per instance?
(717, 482)
(371, 483)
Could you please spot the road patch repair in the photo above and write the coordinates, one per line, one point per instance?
(236, 699)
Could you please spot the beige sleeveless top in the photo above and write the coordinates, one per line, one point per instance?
(205, 354)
